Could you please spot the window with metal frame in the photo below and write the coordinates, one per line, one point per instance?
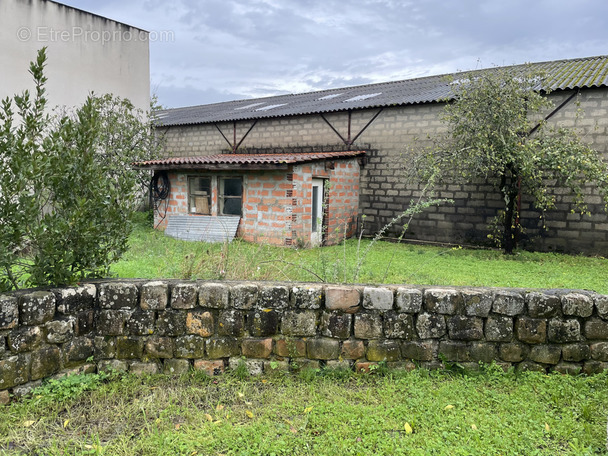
(230, 196)
(199, 195)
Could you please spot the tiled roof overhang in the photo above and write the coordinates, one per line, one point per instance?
(243, 161)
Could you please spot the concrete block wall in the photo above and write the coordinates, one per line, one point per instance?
(383, 192)
(173, 326)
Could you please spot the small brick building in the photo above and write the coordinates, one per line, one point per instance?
(299, 199)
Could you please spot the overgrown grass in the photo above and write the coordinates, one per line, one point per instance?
(154, 255)
(493, 413)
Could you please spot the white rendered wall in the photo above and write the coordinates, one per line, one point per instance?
(86, 53)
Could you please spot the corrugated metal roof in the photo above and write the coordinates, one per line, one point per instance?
(244, 159)
(203, 227)
(562, 75)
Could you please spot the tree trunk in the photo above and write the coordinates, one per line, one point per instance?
(508, 187)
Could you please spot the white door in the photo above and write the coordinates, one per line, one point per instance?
(317, 212)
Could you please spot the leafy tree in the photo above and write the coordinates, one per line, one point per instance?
(67, 189)
(496, 131)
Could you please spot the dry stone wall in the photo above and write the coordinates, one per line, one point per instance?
(171, 327)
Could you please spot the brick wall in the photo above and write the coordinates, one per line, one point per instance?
(174, 326)
(384, 194)
(277, 204)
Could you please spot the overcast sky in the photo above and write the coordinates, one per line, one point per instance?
(206, 51)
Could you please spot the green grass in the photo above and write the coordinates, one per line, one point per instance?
(320, 413)
(154, 255)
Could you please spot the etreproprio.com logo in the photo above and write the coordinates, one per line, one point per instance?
(43, 34)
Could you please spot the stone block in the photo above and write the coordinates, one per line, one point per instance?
(77, 350)
(530, 366)
(419, 350)
(509, 303)
(577, 305)
(141, 368)
(596, 329)
(154, 295)
(376, 298)
(109, 365)
(176, 366)
(338, 364)
(564, 331)
(262, 323)
(383, 350)
(601, 304)
(336, 325)
(482, 351)
(75, 299)
(36, 308)
(200, 323)
(454, 351)
(223, 348)
(191, 346)
(9, 312)
(546, 354)
(307, 297)
(159, 347)
(594, 367)
(542, 305)
(210, 367)
(5, 397)
(499, 329)
(365, 367)
(299, 323)
(368, 326)
(408, 300)
(430, 326)
(129, 347)
(85, 322)
(599, 351)
(118, 295)
(461, 327)
(514, 352)
(290, 348)
(14, 371)
(214, 296)
(140, 323)
(256, 348)
(112, 322)
(45, 362)
(104, 347)
(323, 348)
(576, 352)
(244, 296)
(352, 349)
(477, 303)
(171, 323)
(399, 326)
(184, 295)
(346, 299)
(273, 297)
(253, 366)
(231, 323)
(531, 330)
(25, 338)
(568, 368)
(442, 300)
(59, 331)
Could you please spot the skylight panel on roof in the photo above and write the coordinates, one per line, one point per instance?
(329, 97)
(362, 97)
(267, 108)
(249, 106)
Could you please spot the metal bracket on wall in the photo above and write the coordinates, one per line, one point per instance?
(349, 140)
(234, 146)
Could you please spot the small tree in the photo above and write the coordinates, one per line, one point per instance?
(67, 189)
(496, 131)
